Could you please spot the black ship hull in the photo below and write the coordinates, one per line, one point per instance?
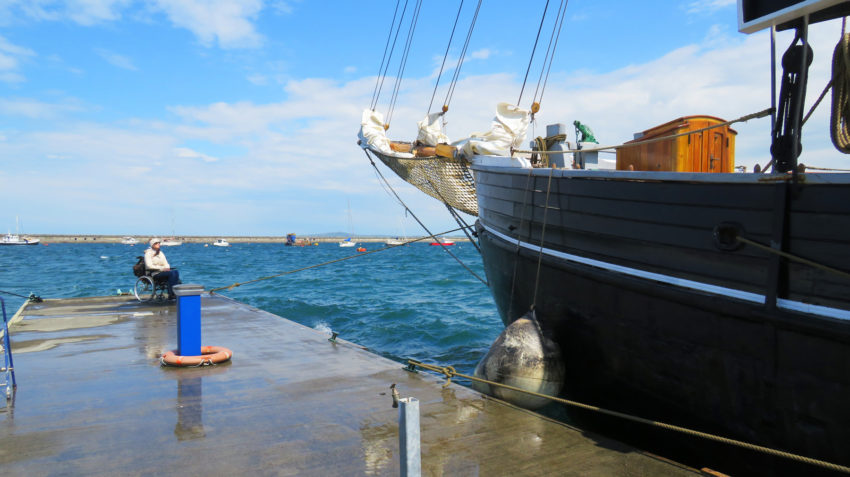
(660, 314)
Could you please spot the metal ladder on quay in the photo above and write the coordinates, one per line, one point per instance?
(7, 372)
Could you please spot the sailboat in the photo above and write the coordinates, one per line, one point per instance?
(16, 239)
(347, 242)
(687, 294)
(398, 240)
(171, 241)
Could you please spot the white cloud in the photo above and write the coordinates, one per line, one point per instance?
(115, 59)
(703, 6)
(481, 54)
(258, 79)
(35, 109)
(91, 12)
(185, 152)
(10, 56)
(226, 22)
(83, 12)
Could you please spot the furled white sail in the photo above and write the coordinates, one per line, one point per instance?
(430, 132)
(373, 135)
(507, 131)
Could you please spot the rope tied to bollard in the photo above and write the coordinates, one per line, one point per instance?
(450, 372)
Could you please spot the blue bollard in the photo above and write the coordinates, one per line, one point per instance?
(188, 319)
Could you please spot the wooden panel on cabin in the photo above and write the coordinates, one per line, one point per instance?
(712, 150)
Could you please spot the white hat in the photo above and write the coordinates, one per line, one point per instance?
(155, 240)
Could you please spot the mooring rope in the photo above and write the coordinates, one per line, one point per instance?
(362, 254)
(31, 297)
(789, 256)
(450, 372)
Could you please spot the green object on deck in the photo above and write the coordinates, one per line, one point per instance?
(586, 133)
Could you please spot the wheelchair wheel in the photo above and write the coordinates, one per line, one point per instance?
(144, 289)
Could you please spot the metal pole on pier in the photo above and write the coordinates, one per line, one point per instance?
(408, 437)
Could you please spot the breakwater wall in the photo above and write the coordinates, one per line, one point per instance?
(143, 239)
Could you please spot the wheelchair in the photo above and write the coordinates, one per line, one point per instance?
(148, 288)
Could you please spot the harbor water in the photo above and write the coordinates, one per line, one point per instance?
(413, 301)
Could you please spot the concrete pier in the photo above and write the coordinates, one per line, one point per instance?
(92, 399)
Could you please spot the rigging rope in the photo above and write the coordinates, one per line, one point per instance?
(407, 209)
(533, 50)
(445, 56)
(379, 80)
(518, 241)
(456, 75)
(542, 238)
(410, 31)
(550, 56)
(466, 227)
(449, 372)
(238, 284)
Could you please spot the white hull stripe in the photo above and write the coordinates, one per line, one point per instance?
(679, 282)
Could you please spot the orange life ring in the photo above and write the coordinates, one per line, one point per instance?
(209, 355)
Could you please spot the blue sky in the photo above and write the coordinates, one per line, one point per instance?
(239, 117)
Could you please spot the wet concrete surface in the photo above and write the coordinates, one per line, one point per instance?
(92, 399)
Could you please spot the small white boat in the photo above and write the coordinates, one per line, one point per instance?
(10, 239)
(347, 243)
(221, 243)
(170, 242)
(395, 241)
(129, 241)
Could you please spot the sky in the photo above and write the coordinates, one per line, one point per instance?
(240, 117)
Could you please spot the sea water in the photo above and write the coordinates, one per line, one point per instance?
(413, 301)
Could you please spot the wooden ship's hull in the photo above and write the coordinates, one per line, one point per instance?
(661, 312)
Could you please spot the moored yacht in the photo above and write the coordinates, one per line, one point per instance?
(14, 239)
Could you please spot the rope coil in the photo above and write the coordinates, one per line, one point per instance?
(840, 114)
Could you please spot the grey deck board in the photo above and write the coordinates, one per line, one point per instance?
(92, 399)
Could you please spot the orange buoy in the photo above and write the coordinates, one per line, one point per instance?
(361, 249)
(209, 355)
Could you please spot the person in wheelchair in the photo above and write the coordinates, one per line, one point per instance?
(158, 266)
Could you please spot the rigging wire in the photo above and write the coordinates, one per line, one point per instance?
(410, 31)
(466, 227)
(407, 209)
(445, 56)
(533, 50)
(550, 55)
(456, 75)
(309, 267)
(379, 80)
